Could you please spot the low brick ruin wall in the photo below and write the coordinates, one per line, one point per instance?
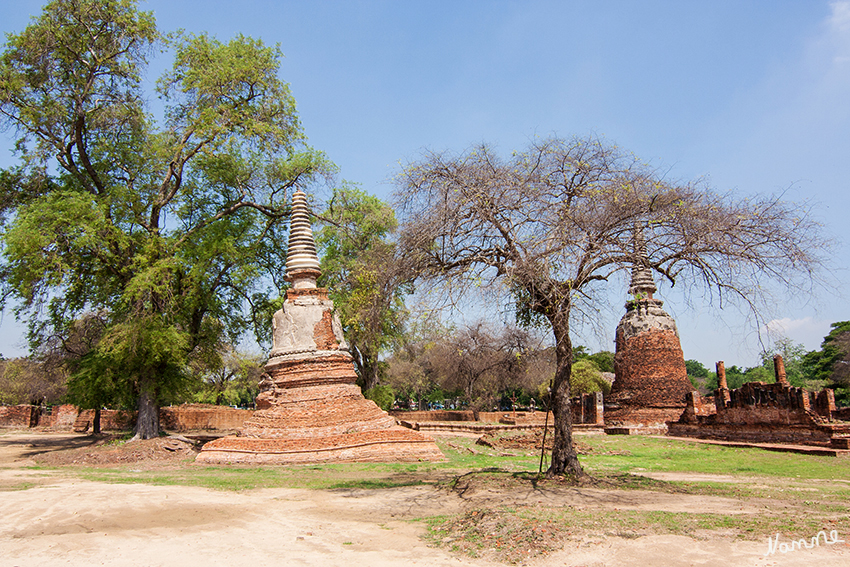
(194, 417)
(762, 413)
(110, 420)
(842, 414)
(755, 433)
(434, 415)
(60, 418)
(13, 417)
(639, 421)
(587, 410)
(188, 417)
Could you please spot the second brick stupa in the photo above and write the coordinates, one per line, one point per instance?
(310, 409)
(651, 379)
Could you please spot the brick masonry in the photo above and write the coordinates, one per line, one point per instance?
(202, 417)
(60, 418)
(187, 417)
(18, 416)
(110, 420)
(651, 380)
(764, 413)
(309, 409)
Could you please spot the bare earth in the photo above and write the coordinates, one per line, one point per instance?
(48, 518)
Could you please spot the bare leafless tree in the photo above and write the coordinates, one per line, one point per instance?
(550, 225)
(481, 361)
(26, 381)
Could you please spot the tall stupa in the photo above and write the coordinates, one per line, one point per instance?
(310, 409)
(651, 380)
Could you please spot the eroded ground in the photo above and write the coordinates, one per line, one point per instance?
(51, 516)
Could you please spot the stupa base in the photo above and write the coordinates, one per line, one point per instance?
(640, 420)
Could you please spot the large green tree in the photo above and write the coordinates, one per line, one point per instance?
(366, 278)
(831, 364)
(172, 227)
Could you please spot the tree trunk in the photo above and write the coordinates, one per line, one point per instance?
(564, 457)
(147, 421)
(370, 372)
(95, 422)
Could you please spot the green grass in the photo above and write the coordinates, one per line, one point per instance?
(812, 492)
(669, 455)
(237, 479)
(828, 477)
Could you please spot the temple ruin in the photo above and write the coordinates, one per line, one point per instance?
(651, 379)
(765, 413)
(310, 409)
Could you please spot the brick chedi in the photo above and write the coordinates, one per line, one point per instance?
(651, 380)
(309, 408)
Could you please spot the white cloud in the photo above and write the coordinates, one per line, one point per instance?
(837, 37)
(808, 331)
(840, 18)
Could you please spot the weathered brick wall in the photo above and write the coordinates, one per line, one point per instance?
(640, 420)
(754, 432)
(434, 415)
(588, 409)
(188, 417)
(489, 416)
(761, 413)
(110, 420)
(825, 403)
(192, 417)
(696, 405)
(756, 402)
(61, 418)
(18, 416)
(650, 369)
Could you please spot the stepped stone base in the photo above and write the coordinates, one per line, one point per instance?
(312, 412)
(639, 421)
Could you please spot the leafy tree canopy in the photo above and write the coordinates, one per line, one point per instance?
(366, 279)
(831, 364)
(172, 227)
(696, 368)
(586, 378)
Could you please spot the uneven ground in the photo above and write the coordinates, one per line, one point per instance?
(66, 499)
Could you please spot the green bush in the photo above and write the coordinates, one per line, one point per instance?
(383, 396)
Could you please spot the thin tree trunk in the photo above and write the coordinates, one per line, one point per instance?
(147, 421)
(564, 457)
(95, 422)
(370, 372)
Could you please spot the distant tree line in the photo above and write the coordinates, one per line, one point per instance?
(827, 367)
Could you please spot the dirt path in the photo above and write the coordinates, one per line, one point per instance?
(62, 520)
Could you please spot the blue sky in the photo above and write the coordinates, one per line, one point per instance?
(752, 95)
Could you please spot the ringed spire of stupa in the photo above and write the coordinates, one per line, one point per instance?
(302, 263)
(642, 285)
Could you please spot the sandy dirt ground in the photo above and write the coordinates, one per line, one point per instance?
(53, 519)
